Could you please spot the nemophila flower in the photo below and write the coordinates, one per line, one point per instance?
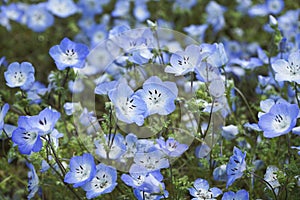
(3, 112)
(20, 75)
(220, 174)
(216, 88)
(71, 107)
(150, 161)
(33, 181)
(147, 182)
(89, 120)
(130, 108)
(159, 96)
(214, 54)
(229, 132)
(76, 86)
(215, 15)
(140, 11)
(35, 92)
(184, 4)
(27, 139)
(241, 194)
(62, 8)
(54, 136)
(236, 166)
(82, 170)
(97, 34)
(183, 62)
(197, 31)
(288, 23)
(202, 150)
(104, 181)
(267, 104)
(121, 8)
(205, 72)
(112, 148)
(131, 141)
(103, 88)
(171, 147)
(269, 7)
(141, 195)
(69, 54)
(91, 6)
(44, 122)
(280, 120)
(201, 190)
(271, 177)
(38, 18)
(288, 70)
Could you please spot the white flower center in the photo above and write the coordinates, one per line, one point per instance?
(281, 122)
(69, 57)
(19, 78)
(30, 137)
(293, 68)
(101, 182)
(83, 172)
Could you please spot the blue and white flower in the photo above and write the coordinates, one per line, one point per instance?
(82, 170)
(69, 54)
(104, 181)
(159, 96)
(20, 75)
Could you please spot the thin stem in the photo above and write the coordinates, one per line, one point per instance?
(246, 102)
(296, 92)
(210, 117)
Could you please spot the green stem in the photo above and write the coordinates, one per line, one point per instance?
(246, 102)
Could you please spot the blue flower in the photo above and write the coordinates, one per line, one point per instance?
(62, 8)
(35, 92)
(220, 174)
(147, 182)
(104, 181)
(288, 70)
(130, 108)
(235, 166)
(141, 195)
(103, 88)
(20, 75)
(91, 6)
(201, 190)
(229, 132)
(271, 177)
(71, 107)
(26, 137)
(38, 18)
(140, 11)
(171, 147)
(241, 194)
(69, 54)
(44, 122)
(82, 170)
(183, 62)
(215, 15)
(33, 181)
(269, 7)
(280, 120)
(3, 112)
(159, 96)
(112, 148)
(149, 161)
